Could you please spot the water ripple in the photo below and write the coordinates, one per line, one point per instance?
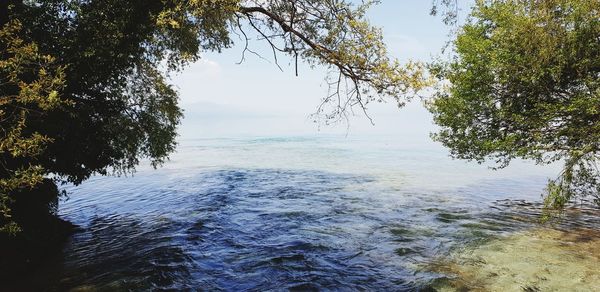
(274, 229)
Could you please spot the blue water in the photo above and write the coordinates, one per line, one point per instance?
(279, 213)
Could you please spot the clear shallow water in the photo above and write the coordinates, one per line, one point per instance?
(290, 213)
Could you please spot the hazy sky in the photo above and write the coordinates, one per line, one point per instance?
(224, 99)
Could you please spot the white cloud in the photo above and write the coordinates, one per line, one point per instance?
(204, 68)
(407, 47)
(201, 74)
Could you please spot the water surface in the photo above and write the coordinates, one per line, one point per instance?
(300, 213)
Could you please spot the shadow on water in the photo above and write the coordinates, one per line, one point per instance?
(264, 229)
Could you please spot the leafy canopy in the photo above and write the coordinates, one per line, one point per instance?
(525, 83)
(92, 96)
(30, 85)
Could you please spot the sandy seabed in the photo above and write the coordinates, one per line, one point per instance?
(542, 259)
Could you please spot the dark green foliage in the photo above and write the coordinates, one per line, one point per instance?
(525, 83)
(120, 107)
(30, 83)
(123, 108)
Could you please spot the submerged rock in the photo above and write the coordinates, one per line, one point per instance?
(542, 259)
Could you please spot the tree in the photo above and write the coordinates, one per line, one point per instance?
(525, 83)
(113, 58)
(30, 85)
(335, 34)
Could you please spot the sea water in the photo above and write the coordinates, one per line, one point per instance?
(312, 212)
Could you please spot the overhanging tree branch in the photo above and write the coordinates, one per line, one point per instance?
(336, 34)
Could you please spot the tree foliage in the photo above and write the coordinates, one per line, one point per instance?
(102, 101)
(30, 85)
(338, 35)
(525, 83)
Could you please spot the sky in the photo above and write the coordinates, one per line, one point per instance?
(222, 98)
